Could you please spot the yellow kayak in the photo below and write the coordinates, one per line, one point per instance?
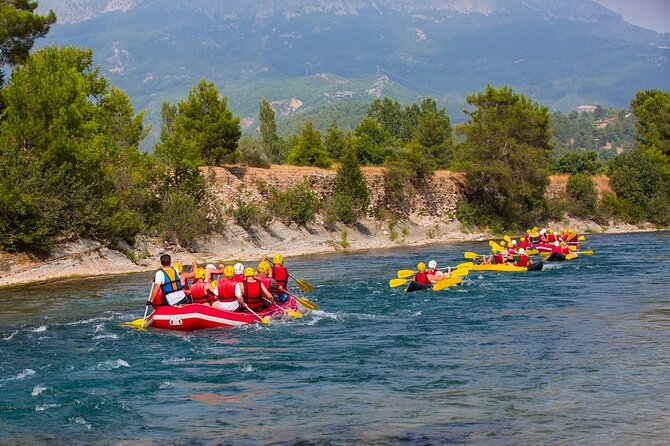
(507, 268)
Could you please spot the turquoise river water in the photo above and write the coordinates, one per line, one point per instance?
(576, 354)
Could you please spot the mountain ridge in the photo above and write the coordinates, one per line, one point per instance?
(560, 53)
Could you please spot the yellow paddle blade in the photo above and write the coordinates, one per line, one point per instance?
(532, 252)
(571, 256)
(464, 265)
(307, 303)
(508, 239)
(581, 238)
(292, 313)
(502, 243)
(495, 247)
(305, 286)
(588, 252)
(534, 230)
(545, 253)
(393, 283)
(573, 248)
(405, 273)
(137, 323)
(471, 255)
(446, 283)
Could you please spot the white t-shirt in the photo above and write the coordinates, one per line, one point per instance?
(173, 297)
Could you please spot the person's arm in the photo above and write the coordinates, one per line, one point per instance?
(154, 290)
(267, 293)
(240, 295)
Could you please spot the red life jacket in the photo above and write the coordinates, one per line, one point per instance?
(239, 278)
(198, 294)
(280, 274)
(498, 259)
(557, 249)
(551, 238)
(422, 278)
(265, 281)
(523, 260)
(565, 250)
(252, 295)
(226, 289)
(524, 245)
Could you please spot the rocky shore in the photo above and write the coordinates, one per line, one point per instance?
(427, 219)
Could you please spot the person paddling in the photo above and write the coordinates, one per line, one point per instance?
(271, 284)
(252, 291)
(422, 275)
(226, 291)
(168, 283)
(202, 291)
(523, 259)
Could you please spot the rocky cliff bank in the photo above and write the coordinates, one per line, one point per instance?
(427, 217)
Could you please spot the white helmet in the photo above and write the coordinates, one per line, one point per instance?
(522, 251)
(210, 266)
(557, 243)
(238, 268)
(543, 231)
(514, 242)
(432, 264)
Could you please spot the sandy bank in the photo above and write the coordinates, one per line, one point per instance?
(90, 258)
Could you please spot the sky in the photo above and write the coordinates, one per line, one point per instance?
(652, 14)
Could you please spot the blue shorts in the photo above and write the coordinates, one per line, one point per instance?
(281, 297)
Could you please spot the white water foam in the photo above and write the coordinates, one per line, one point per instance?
(40, 329)
(9, 338)
(89, 321)
(174, 360)
(106, 336)
(164, 385)
(43, 407)
(38, 389)
(111, 364)
(80, 420)
(248, 368)
(23, 374)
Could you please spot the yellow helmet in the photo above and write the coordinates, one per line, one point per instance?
(421, 267)
(199, 273)
(502, 243)
(278, 259)
(571, 230)
(229, 271)
(179, 267)
(527, 231)
(264, 267)
(213, 283)
(249, 271)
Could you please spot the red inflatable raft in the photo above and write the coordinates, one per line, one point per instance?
(198, 316)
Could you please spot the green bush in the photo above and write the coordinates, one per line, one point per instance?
(578, 162)
(583, 196)
(184, 221)
(253, 154)
(294, 205)
(250, 214)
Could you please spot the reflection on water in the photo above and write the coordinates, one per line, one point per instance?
(577, 354)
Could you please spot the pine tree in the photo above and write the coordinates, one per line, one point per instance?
(349, 181)
(309, 149)
(268, 130)
(335, 142)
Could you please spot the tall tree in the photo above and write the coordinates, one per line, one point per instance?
(389, 114)
(309, 149)
(69, 155)
(19, 27)
(505, 154)
(652, 107)
(335, 142)
(433, 131)
(372, 141)
(268, 129)
(350, 191)
(204, 119)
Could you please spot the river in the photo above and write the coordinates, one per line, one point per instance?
(576, 354)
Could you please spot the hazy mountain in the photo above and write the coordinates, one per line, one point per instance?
(302, 53)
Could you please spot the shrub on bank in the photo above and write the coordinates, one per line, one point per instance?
(298, 204)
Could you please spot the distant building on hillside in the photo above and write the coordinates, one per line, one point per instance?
(586, 108)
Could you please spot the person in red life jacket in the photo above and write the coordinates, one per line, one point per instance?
(279, 272)
(264, 270)
(523, 260)
(421, 276)
(542, 236)
(252, 291)
(201, 291)
(498, 258)
(551, 238)
(435, 275)
(225, 291)
(239, 273)
(183, 277)
(168, 285)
